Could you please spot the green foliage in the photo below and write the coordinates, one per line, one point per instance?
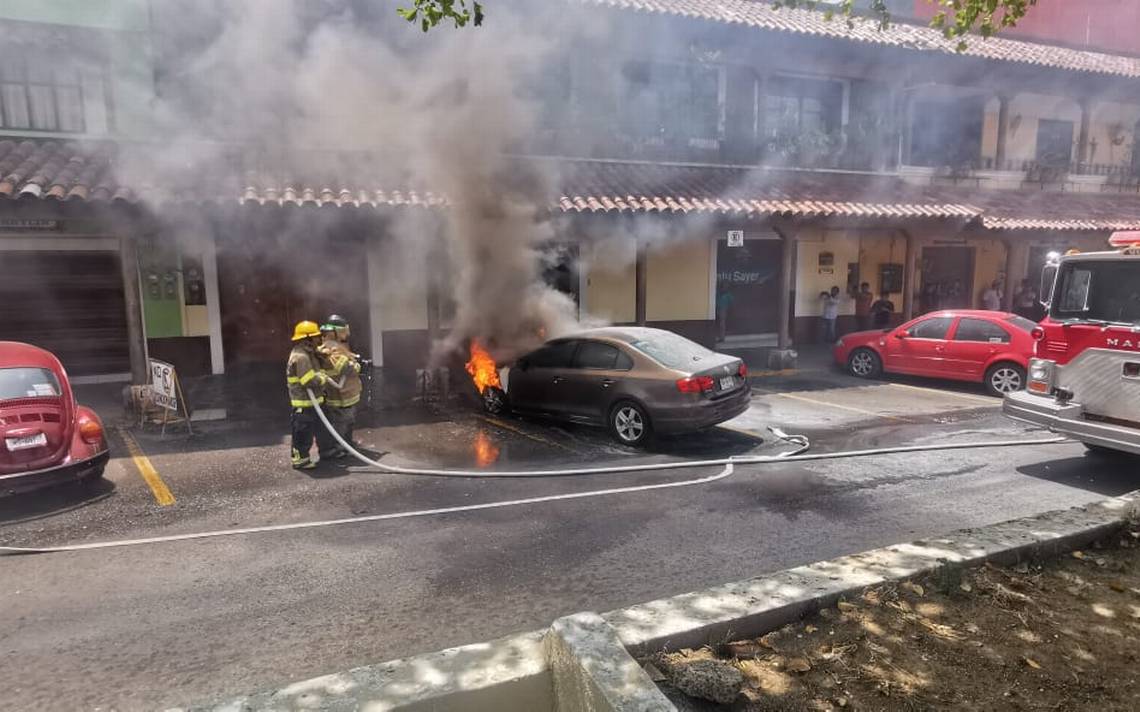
(429, 13)
(956, 18)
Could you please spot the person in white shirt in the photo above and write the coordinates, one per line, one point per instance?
(829, 302)
(991, 298)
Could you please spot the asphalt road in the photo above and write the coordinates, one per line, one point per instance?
(169, 624)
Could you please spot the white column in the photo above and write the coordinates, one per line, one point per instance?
(375, 264)
(213, 304)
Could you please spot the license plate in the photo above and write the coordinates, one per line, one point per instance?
(37, 440)
(727, 383)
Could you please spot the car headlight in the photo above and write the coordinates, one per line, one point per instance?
(1041, 372)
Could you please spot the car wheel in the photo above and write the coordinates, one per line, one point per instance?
(864, 363)
(495, 401)
(1002, 378)
(629, 423)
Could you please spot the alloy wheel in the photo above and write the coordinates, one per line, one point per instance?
(629, 424)
(1006, 380)
(862, 364)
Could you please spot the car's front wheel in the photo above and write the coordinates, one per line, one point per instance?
(864, 363)
(629, 423)
(1002, 378)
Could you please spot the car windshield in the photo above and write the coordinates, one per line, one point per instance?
(1022, 323)
(673, 351)
(1098, 291)
(27, 383)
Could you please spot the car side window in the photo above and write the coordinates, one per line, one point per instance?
(624, 362)
(595, 355)
(555, 355)
(933, 328)
(981, 330)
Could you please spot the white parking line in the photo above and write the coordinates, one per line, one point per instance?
(953, 394)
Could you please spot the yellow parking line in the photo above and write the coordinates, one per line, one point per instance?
(963, 396)
(537, 438)
(841, 407)
(161, 492)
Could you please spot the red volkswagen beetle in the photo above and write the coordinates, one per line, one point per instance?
(45, 436)
(989, 347)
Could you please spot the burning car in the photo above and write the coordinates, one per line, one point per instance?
(634, 381)
(45, 436)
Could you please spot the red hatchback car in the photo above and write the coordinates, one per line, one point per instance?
(988, 347)
(45, 436)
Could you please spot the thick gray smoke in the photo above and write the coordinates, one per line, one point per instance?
(350, 90)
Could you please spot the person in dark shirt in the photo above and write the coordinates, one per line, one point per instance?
(863, 299)
(882, 311)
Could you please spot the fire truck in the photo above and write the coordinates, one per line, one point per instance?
(1084, 381)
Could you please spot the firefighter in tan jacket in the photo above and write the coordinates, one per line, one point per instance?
(343, 371)
(303, 373)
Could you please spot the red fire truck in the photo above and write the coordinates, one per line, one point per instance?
(1085, 379)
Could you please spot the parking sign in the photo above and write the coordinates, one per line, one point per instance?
(163, 384)
(736, 238)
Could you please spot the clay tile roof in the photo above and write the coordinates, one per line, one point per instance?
(1060, 212)
(598, 186)
(761, 15)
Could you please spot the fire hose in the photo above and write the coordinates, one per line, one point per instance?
(728, 465)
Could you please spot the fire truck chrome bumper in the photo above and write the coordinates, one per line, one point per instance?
(1067, 419)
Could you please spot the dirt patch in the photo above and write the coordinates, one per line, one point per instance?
(1061, 634)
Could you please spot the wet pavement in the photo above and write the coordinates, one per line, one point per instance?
(146, 627)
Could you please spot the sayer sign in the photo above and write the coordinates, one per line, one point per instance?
(163, 384)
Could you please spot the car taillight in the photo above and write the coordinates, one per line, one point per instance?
(743, 370)
(1037, 333)
(695, 384)
(90, 430)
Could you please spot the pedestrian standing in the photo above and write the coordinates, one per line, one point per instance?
(991, 298)
(863, 300)
(882, 311)
(345, 386)
(302, 374)
(1025, 301)
(830, 312)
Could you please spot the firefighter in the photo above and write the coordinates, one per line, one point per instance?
(303, 371)
(345, 386)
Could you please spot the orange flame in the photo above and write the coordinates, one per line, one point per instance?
(482, 368)
(486, 452)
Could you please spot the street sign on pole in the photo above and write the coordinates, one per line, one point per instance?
(736, 238)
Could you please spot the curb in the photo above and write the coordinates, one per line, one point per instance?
(583, 663)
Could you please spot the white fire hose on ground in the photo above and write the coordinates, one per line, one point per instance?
(727, 464)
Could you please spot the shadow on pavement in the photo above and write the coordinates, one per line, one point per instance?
(1108, 475)
(51, 501)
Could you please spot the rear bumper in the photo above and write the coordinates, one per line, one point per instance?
(1068, 419)
(704, 414)
(67, 472)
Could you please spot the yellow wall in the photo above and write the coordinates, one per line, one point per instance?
(989, 264)
(810, 282)
(677, 287)
(612, 294)
(1026, 109)
(876, 249)
(195, 320)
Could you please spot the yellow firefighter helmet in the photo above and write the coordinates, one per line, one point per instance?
(305, 329)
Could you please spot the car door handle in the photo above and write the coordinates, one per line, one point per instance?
(556, 379)
(607, 382)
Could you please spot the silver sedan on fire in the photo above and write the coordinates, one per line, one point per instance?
(635, 381)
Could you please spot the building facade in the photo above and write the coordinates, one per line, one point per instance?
(843, 155)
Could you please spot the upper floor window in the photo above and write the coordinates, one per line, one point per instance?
(796, 105)
(1054, 143)
(42, 95)
(946, 132)
(681, 103)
